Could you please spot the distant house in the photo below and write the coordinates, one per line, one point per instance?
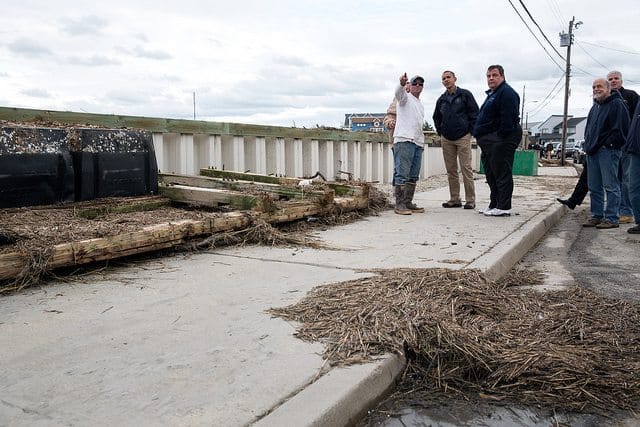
(575, 129)
(545, 130)
(530, 126)
(366, 122)
(551, 129)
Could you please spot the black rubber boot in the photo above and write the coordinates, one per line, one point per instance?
(409, 191)
(401, 207)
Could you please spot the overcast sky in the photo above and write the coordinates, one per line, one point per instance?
(300, 62)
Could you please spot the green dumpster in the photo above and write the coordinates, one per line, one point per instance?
(525, 162)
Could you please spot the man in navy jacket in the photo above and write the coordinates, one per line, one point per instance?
(630, 98)
(604, 136)
(498, 132)
(454, 116)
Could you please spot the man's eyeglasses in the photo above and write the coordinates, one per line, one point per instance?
(417, 84)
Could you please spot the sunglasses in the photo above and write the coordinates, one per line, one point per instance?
(417, 84)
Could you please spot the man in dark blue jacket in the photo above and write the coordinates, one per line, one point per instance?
(498, 132)
(454, 117)
(632, 150)
(604, 136)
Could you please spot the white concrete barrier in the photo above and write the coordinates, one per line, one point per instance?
(370, 161)
(186, 146)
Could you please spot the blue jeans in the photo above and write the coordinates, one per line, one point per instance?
(634, 184)
(623, 175)
(407, 159)
(603, 179)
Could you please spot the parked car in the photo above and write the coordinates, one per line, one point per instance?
(569, 148)
(579, 156)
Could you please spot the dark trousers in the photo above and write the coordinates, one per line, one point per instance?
(582, 188)
(497, 158)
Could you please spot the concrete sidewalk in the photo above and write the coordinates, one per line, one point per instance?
(185, 340)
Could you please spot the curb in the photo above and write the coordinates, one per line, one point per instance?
(343, 395)
(498, 260)
(340, 397)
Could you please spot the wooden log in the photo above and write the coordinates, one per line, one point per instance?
(138, 205)
(242, 186)
(339, 188)
(251, 177)
(211, 197)
(166, 235)
(351, 203)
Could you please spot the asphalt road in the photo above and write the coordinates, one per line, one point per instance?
(607, 262)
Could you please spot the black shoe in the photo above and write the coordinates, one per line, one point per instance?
(452, 204)
(568, 203)
(634, 230)
(469, 206)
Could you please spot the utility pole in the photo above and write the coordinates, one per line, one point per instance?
(524, 88)
(194, 105)
(525, 134)
(567, 40)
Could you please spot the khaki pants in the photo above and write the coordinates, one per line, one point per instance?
(454, 151)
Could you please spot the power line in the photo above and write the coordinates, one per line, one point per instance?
(541, 32)
(555, 9)
(584, 71)
(604, 66)
(611, 48)
(534, 36)
(549, 97)
(590, 56)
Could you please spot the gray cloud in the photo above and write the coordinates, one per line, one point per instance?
(90, 24)
(142, 37)
(141, 52)
(36, 93)
(93, 61)
(292, 61)
(126, 97)
(292, 58)
(28, 47)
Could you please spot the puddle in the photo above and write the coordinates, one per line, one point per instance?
(467, 414)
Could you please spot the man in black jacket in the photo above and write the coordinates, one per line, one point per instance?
(498, 132)
(454, 116)
(630, 98)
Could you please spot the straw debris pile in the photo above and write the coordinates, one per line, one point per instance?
(462, 334)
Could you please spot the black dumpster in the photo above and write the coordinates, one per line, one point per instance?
(35, 167)
(114, 163)
(40, 166)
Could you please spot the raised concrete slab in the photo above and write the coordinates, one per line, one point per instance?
(185, 340)
(568, 170)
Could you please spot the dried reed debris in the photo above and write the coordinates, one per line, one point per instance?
(567, 349)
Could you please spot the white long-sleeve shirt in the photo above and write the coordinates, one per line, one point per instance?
(409, 119)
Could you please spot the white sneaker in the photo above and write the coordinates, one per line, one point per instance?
(498, 212)
(485, 210)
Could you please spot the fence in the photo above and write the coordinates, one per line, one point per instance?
(186, 146)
